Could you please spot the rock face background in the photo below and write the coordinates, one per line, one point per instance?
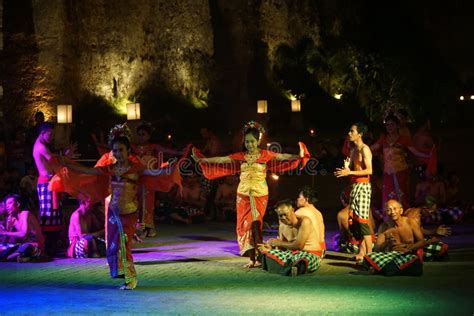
(194, 53)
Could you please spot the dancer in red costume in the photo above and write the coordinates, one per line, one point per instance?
(252, 192)
(120, 175)
(150, 155)
(396, 173)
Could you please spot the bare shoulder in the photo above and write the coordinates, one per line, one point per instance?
(25, 213)
(366, 150)
(305, 221)
(74, 215)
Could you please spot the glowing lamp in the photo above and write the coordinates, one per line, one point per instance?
(64, 113)
(312, 132)
(461, 98)
(338, 96)
(133, 111)
(262, 106)
(295, 106)
(169, 136)
(275, 176)
(472, 97)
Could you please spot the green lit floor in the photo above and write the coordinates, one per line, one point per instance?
(195, 270)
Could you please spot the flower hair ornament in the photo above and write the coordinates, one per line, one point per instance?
(253, 124)
(118, 131)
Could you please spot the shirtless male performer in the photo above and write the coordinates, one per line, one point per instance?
(359, 167)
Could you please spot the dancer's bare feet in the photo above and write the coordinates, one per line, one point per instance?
(249, 265)
(129, 286)
(137, 239)
(253, 264)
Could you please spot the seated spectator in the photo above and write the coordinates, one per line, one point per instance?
(453, 211)
(191, 193)
(290, 255)
(225, 198)
(167, 213)
(430, 186)
(398, 250)
(190, 204)
(86, 232)
(437, 251)
(21, 235)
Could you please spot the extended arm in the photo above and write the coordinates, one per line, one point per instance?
(438, 231)
(283, 156)
(80, 168)
(419, 238)
(418, 153)
(223, 159)
(286, 157)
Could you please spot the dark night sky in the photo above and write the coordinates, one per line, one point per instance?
(439, 30)
(451, 28)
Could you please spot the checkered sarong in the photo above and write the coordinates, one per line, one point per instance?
(435, 250)
(378, 260)
(80, 248)
(341, 244)
(360, 199)
(48, 216)
(290, 258)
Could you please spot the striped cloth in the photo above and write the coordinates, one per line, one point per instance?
(49, 217)
(395, 263)
(435, 251)
(281, 261)
(360, 199)
(78, 248)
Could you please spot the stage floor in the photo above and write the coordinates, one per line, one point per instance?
(196, 270)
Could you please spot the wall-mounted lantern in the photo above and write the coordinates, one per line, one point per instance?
(64, 113)
(133, 111)
(295, 105)
(262, 106)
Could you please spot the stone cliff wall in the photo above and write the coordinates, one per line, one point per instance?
(63, 51)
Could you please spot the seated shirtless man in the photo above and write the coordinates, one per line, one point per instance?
(21, 238)
(287, 255)
(398, 249)
(437, 251)
(86, 233)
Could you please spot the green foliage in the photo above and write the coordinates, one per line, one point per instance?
(376, 84)
(119, 104)
(199, 99)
